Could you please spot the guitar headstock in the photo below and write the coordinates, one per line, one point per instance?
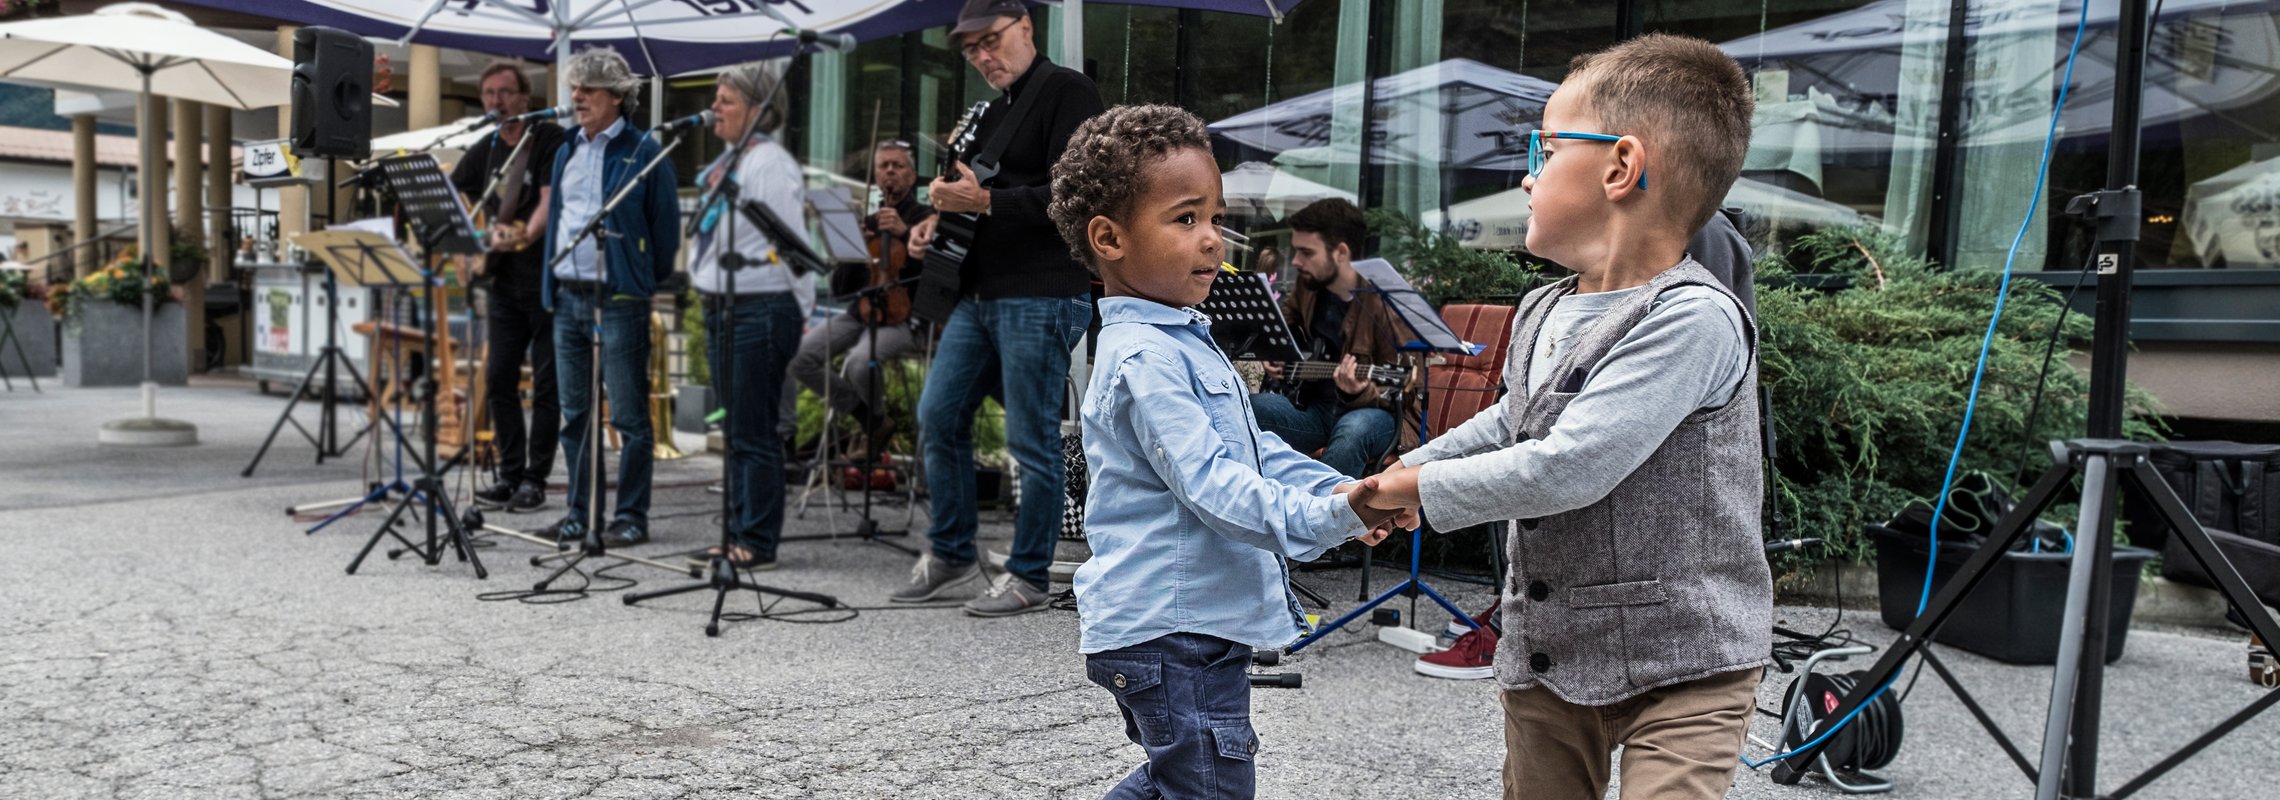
(963, 134)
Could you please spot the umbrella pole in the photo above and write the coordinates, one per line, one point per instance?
(148, 430)
(149, 244)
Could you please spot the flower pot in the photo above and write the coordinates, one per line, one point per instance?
(107, 348)
(35, 331)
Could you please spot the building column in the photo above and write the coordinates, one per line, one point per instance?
(425, 86)
(292, 201)
(190, 218)
(83, 173)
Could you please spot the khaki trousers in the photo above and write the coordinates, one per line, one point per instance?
(1679, 741)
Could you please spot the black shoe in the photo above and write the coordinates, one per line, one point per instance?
(500, 495)
(565, 532)
(624, 533)
(527, 498)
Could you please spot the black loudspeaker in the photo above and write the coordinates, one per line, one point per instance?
(332, 94)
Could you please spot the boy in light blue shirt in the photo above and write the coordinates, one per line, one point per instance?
(1192, 510)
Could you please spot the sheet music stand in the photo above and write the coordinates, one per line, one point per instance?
(1433, 336)
(358, 259)
(840, 225)
(1245, 320)
(440, 222)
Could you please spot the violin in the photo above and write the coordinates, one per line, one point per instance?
(884, 299)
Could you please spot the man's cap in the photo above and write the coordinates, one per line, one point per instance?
(982, 15)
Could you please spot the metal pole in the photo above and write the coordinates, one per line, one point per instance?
(2059, 722)
(2117, 257)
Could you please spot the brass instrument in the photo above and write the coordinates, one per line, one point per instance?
(661, 390)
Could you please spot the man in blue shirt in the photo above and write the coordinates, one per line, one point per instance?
(617, 270)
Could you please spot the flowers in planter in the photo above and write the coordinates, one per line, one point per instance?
(122, 281)
(15, 287)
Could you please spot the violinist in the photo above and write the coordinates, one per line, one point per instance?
(878, 305)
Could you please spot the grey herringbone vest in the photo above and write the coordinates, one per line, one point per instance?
(1665, 579)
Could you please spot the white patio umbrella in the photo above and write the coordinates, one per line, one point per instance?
(445, 142)
(1261, 189)
(159, 53)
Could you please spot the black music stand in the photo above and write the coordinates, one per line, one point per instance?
(440, 223)
(1433, 336)
(1245, 321)
(360, 259)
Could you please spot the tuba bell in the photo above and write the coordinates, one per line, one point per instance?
(661, 389)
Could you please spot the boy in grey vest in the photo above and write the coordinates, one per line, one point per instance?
(1638, 608)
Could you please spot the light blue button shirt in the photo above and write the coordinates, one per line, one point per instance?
(1192, 508)
(583, 193)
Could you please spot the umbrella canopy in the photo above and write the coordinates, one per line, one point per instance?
(1484, 115)
(1500, 221)
(1258, 189)
(657, 38)
(118, 46)
(2209, 60)
(447, 141)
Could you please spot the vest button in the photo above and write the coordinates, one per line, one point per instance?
(1529, 524)
(1540, 663)
(1537, 591)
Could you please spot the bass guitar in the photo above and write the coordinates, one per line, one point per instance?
(938, 279)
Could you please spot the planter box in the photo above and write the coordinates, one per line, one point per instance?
(2015, 612)
(108, 348)
(35, 330)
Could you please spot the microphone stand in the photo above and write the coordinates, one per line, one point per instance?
(722, 576)
(590, 543)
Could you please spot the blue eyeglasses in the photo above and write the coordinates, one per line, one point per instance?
(1536, 148)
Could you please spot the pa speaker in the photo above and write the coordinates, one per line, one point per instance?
(332, 94)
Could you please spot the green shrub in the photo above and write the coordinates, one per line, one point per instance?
(1443, 269)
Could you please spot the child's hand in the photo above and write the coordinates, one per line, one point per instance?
(1362, 497)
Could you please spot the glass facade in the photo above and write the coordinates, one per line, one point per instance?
(1923, 117)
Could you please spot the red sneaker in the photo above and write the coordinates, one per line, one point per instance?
(1472, 658)
(1457, 627)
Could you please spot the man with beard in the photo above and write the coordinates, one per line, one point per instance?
(1335, 315)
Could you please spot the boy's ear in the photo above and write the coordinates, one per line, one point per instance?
(1105, 239)
(1626, 168)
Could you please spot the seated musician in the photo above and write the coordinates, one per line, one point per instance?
(1335, 318)
(519, 322)
(871, 321)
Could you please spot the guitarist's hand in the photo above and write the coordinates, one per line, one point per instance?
(964, 196)
(1273, 369)
(1349, 382)
(921, 235)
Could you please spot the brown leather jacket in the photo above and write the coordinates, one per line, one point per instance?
(1373, 336)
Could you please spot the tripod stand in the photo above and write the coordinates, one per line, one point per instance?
(441, 225)
(2069, 755)
(327, 438)
(867, 527)
(8, 336)
(726, 200)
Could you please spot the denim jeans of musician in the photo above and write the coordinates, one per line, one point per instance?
(520, 325)
(1026, 340)
(625, 381)
(767, 333)
(1186, 699)
(1351, 443)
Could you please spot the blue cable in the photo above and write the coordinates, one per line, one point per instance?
(2002, 293)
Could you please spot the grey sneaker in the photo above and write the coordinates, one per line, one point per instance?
(1007, 596)
(931, 578)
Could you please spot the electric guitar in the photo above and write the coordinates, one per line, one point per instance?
(937, 291)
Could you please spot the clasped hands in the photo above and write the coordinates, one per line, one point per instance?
(1376, 509)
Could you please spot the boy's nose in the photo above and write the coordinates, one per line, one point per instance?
(1528, 184)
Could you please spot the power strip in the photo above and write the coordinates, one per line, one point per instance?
(1410, 639)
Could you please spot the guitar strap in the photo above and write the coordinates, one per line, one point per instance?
(985, 160)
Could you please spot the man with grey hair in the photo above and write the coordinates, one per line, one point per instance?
(607, 277)
(754, 304)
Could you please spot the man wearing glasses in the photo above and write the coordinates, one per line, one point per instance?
(519, 322)
(853, 391)
(1024, 302)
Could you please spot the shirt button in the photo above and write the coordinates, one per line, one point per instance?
(1540, 663)
(1537, 591)
(1119, 680)
(1254, 748)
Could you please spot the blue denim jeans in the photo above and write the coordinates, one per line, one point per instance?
(1026, 340)
(1186, 699)
(625, 380)
(1351, 442)
(767, 333)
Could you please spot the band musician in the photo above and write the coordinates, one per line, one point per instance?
(1023, 304)
(874, 318)
(1336, 317)
(519, 322)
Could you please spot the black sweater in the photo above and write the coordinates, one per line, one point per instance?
(1017, 252)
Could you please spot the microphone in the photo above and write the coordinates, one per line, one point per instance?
(1785, 545)
(488, 117)
(701, 119)
(833, 42)
(543, 113)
